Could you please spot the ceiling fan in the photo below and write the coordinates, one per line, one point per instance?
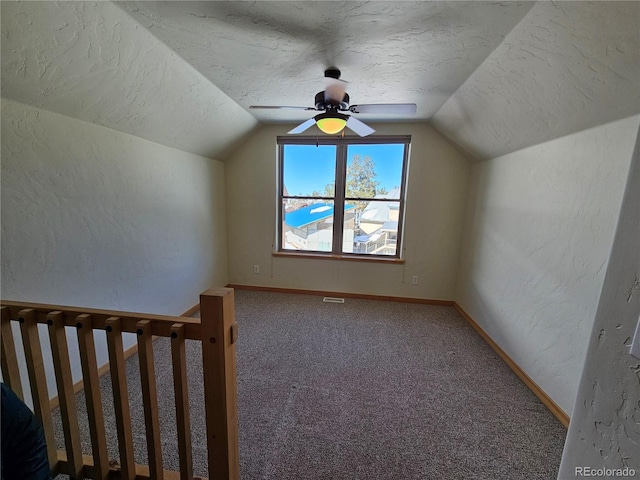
(333, 101)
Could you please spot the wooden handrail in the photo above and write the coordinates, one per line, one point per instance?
(217, 331)
(120, 396)
(150, 399)
(181, 395)
(219, 334)
(66, 395)
(37, 376)
(95, 415)
(10, 369)
(160, 324)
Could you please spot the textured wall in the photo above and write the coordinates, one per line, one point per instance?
(540, 224)
(92, 61)
(605, 427)
(436, 196)
(94, 217)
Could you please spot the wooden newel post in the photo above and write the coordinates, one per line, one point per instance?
(219, 333)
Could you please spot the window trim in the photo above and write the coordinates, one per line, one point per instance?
(342, 143)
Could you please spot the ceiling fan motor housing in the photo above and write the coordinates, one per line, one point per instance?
(323, 104)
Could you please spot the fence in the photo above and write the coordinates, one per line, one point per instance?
(216, 329)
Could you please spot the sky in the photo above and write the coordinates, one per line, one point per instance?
(308, 168)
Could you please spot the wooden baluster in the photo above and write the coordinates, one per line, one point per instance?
(120, 397)
(38, 380)
(10, 369)
(150, 398)
(219, 333)
(92, 394)
(181, 388)
(66, 394)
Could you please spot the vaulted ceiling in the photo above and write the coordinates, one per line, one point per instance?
(493, 77)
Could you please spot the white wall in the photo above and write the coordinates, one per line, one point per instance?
(605, 426)
(539, 228)
(95, 217)
(436, 195)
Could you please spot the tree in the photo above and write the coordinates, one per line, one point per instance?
(330, 190)
(361, 178)
(360, 182)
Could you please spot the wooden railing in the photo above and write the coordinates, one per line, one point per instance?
(215, 328)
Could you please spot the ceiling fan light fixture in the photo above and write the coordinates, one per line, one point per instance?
(331, 122)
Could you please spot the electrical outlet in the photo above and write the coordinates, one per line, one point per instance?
(414, 280)
(635, 344)
(256, 269)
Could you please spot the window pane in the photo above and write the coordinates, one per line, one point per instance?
(374, 170)
(309, 171)
(374, 227)
(369, 196)
(307, 224)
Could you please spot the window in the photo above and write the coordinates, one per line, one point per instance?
(342, 196)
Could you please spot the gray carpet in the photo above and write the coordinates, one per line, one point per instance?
(361, 390)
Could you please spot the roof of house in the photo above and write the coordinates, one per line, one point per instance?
(310, 214)
(378, 211)
(386, 227)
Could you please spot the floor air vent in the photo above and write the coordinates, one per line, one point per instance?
(333, 300)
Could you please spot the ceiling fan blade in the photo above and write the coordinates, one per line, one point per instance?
(303, 126)
(278, 107)
(359, 127)
(334, 89)
(399, 108)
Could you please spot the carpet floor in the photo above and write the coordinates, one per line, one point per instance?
(361, 390)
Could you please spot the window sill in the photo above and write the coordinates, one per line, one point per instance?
(349, 258)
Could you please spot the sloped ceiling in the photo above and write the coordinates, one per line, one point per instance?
(92, 61)
(493, 77)
(566, 67)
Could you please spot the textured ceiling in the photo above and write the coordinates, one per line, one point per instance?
(93, 62)
(493, 77)
(276, 52)
(566, 67)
